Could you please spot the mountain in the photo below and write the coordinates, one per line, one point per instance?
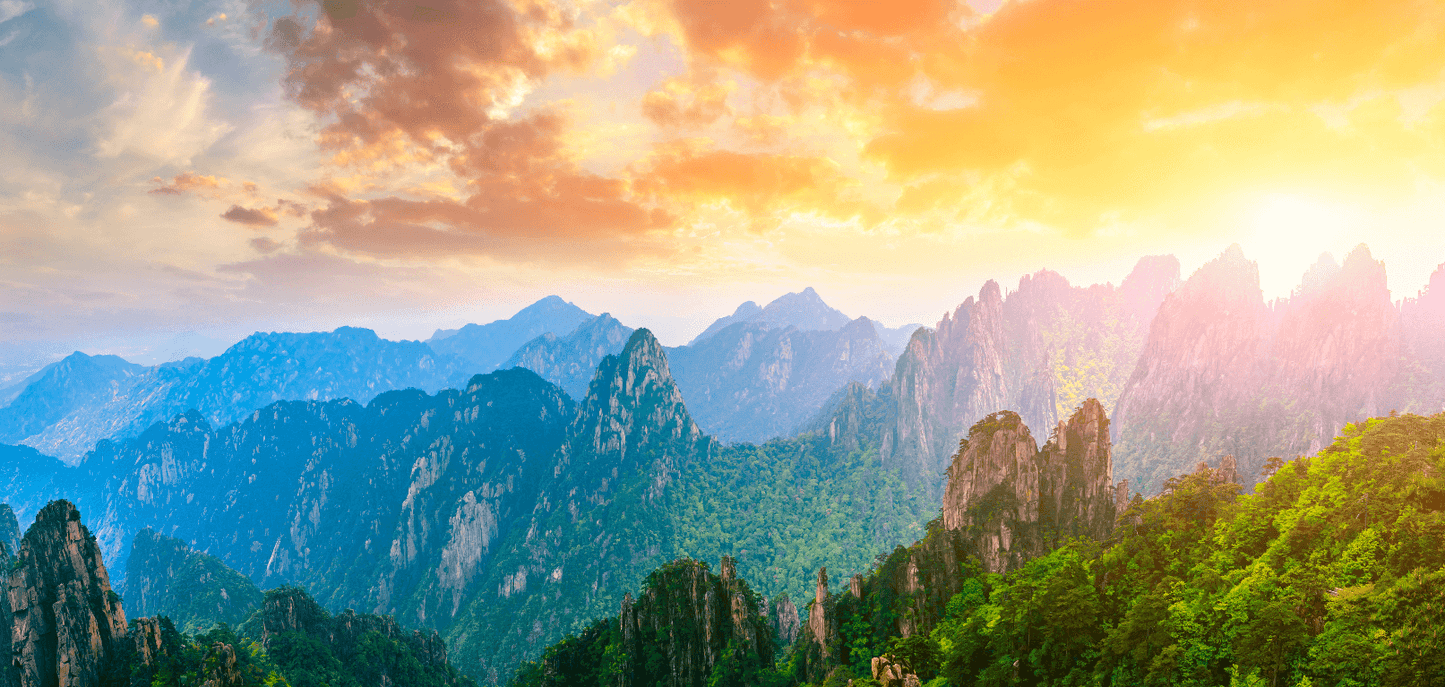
(687, 627)
(895, 339)
(485, 347)
(805, 311)
(59, 618)
(749, 382)
(1039, 352)
(753, 382)
(259, 370)
(569, 361)
(30, 479)
(58, 390)
(463, 511)
(165, 577)
(1225, 373)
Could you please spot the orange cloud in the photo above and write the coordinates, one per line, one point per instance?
(1077, 114)
(758, 183)
(254, 217)
(187, 182)
(678, 103)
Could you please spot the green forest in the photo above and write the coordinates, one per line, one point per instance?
(1330, 574)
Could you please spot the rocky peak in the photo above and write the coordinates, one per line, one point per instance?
(997, 454)
(61, 617)
(695, 618)
(1011, 501)
(1153, 278)
(633, 401)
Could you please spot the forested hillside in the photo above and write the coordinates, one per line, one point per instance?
(1331, 574)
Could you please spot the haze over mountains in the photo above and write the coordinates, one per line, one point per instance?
(520, 504)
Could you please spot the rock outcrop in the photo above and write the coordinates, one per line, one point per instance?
(1223, 372)
(1006, 502)
(1038, 352)
(289, 612)
(1011, 501)
(691, 619)
(61, 620)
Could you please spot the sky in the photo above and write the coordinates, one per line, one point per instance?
(177, 175)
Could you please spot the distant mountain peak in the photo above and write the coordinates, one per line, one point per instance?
(804, 310)
(633, 400)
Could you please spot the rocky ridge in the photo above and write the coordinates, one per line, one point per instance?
(1006, 502)
(1225, 373)
(60, 618)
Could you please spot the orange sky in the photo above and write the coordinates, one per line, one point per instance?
(409, 165)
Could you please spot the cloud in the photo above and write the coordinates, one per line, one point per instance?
(757, 183)
(401, 86)
(161, 114)
(253, 217)
(1079, 115)
(187, 182)
(678, 103)
(10, 9)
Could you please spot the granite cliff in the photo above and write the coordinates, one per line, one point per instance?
(59, 618)
(688, 627)
(1006, 502)
(1225, 373)
(1040, 352)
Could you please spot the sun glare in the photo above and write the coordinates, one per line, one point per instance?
(1288, 234)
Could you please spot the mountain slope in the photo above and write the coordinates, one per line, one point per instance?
(485, 347)
(804, 310)
(196, 591)
(1224, 373)
(1040, 352)
(753, 382)
(570, 361)
(56, 391)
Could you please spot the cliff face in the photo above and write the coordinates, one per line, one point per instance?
(1039, 352)
(691, 619)
(1225, 373)
(1006, 502)
(62, 618)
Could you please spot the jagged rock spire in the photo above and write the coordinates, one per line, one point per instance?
(61, 621)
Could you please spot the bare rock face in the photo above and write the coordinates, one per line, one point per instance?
(783, 616)
(1040, 351)
(1223, 372)
(9, 532)
(692, 617)
(221, 667)
(1011, 501)
(62, 618)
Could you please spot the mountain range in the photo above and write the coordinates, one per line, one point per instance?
(507, 511)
